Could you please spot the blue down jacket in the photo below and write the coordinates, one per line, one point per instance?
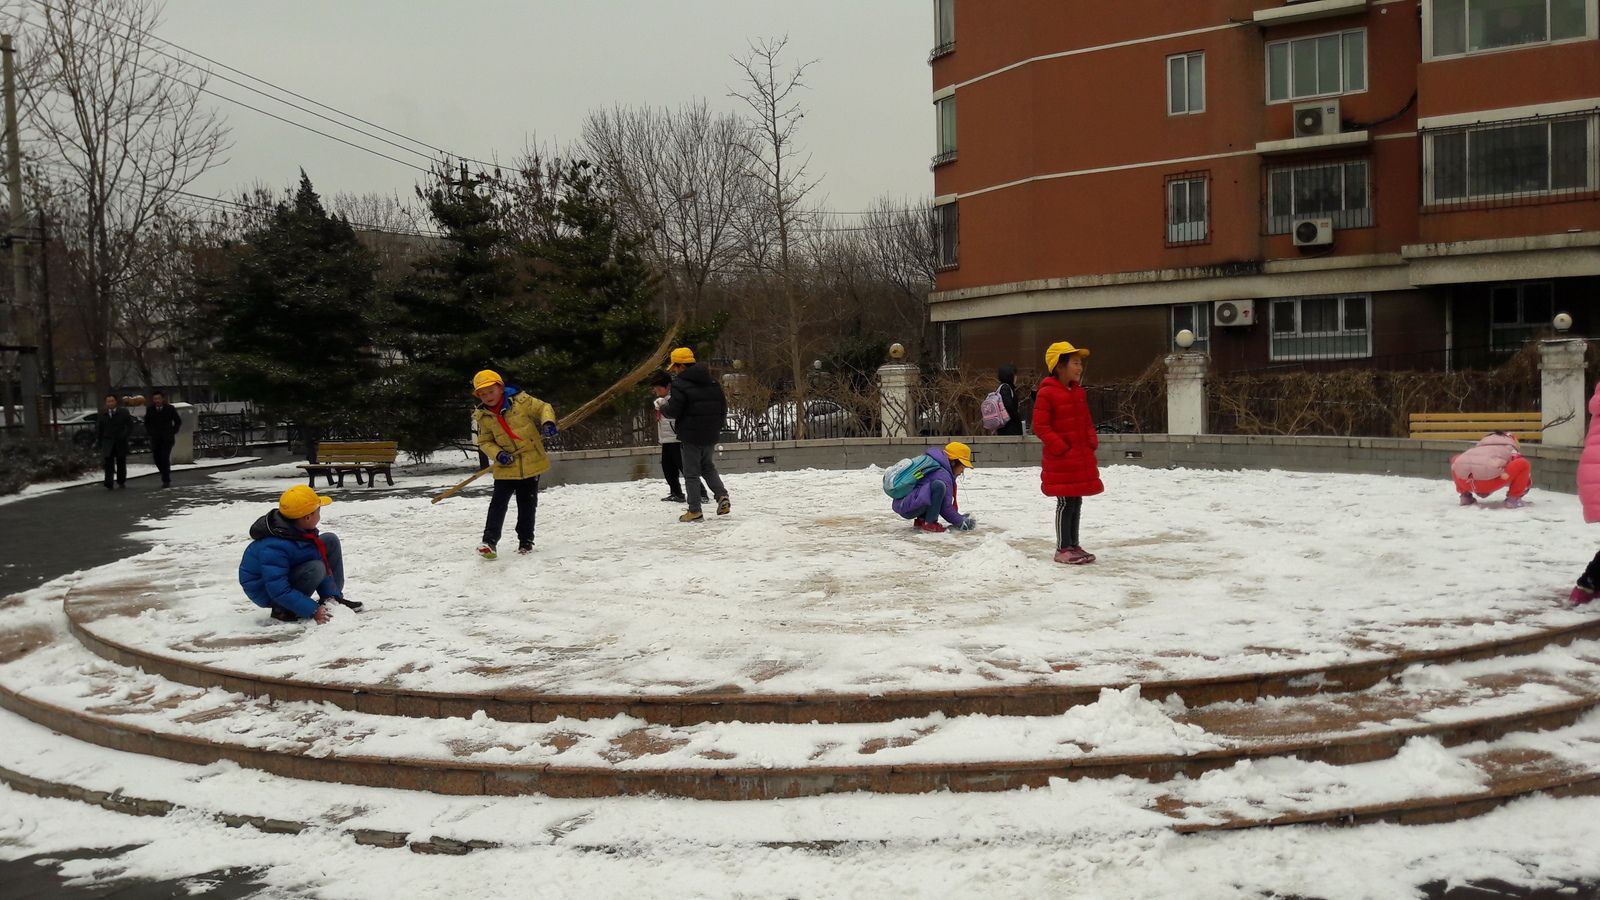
(918, 498)
(275, 548)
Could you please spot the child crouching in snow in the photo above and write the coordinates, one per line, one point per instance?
(288, 560)
(935, 493)
(1494, 463)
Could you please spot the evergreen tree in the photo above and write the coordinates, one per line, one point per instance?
(289, 324)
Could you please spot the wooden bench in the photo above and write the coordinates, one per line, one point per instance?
(335, 459)
(1525, 426)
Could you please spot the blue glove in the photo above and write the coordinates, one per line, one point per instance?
(968, 523)
(549, 429)
(503, 457)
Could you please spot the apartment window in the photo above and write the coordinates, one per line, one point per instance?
(1187, 209)
(1467, 26)
(1317, 66)
(1196, 317)
(945, 126)
(946, 235)
(1524, 158)
(950, 345)
(1186, 84)
(1518, 313)
(944, 28)
(1334, 327)
(1341, 191)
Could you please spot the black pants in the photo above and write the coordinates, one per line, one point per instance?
(672, 468)
(161, 453)
(1068, 511)
(116, 463)
(1591, 575)
(526, 490)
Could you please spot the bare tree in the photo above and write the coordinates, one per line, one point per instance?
(897, 239)
(770, 93)
(120, 129)
(681, 178)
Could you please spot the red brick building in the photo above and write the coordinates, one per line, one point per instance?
(1359, 180)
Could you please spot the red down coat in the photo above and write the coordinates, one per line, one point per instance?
(1061, 420)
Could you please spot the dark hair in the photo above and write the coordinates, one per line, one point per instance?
(661, 379)
(158, 393)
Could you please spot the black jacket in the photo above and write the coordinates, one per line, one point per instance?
(162, 422)
(1008, 394)
(697, 404)
(112, 429)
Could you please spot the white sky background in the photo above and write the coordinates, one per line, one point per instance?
(479, 77)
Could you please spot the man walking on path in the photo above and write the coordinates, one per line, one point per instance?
(161, 422)
(697, 405)
(112, 428)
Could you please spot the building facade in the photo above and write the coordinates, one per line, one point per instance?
(1412, 183)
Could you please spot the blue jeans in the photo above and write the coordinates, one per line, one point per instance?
(930, 513)
(307, 577)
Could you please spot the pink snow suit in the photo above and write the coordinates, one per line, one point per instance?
(1494, 463)
(1589, 464)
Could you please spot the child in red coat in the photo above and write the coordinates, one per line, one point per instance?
(1069, 470)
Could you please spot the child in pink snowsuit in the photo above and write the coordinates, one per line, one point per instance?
(1589, 495)
(1495, 463)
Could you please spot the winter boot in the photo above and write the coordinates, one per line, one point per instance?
(283, 615)
(1467, 499)
(723, 506)
(692, 517)
(1516, 503)
(1580, 596)
(934, 527)
(486, 550)
(525, 547)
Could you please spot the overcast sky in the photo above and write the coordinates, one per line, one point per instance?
(483, 76)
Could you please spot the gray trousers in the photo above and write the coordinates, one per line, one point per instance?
(700, 460)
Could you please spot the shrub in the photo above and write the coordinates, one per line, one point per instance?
(30, 461)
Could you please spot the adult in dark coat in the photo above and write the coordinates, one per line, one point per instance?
(112, 428)
(161, 422)
(696, 403)
(1008, 396)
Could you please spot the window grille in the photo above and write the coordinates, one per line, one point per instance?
(1328, 327)
(1188, 209)
(1341, 191)
(947, 235)
(1521, 161)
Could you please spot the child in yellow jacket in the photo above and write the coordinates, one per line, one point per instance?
(511, 427)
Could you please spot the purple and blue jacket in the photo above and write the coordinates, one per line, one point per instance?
(912, 503)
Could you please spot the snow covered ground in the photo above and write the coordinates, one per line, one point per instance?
(811, 585)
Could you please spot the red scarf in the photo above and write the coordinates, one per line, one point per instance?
(321, 548)
(502, 419)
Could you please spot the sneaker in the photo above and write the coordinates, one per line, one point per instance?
(918, 522)
(352, 605)
(723, 506)
(1580, 596)
(1074, 556)
(486, 550)
(524, 546)
(692, 517)
(674, 498)
(934, 527)
(1467, 499)
(1516, 503)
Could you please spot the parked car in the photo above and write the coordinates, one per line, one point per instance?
(79, 425)
(824, 419)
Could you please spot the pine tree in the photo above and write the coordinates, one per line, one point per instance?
(290, 322)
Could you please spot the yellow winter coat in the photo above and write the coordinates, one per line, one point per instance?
(526, 415)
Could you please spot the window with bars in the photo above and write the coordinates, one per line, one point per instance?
(1341, 191)
(1331, 327)
(1188, 211)
(1518, 313)
(1458, 27)
(944, 28)
(1186, 84)
(946, 235)
(1527, 158)
(1317, 66)
(1196, 318)
(945, 130)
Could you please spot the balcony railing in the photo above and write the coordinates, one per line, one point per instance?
(944, 49)
(940, 159)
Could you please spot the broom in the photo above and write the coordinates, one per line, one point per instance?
(605, 398)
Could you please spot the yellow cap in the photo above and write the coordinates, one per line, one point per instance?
(485, 378)
(683, 355)
(300, 501)
(1058, 350)
(959, 452)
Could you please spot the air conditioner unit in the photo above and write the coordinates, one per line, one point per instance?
(1316, 119)
(1233, 312)
(1312, 232)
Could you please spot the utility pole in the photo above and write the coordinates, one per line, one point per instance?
(22, 303)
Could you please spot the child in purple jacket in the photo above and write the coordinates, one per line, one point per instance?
(935, 494)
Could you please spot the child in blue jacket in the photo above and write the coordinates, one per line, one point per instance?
(288, 560)
(935, 493)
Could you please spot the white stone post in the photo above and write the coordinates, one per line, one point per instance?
(183, 441)
(1561, 395)
(1186, 393)
(894, 389)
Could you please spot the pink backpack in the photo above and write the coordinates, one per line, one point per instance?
(994, 412)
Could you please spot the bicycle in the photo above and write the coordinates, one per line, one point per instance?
(216, 443)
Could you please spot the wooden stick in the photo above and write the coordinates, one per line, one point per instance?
(605, 398)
